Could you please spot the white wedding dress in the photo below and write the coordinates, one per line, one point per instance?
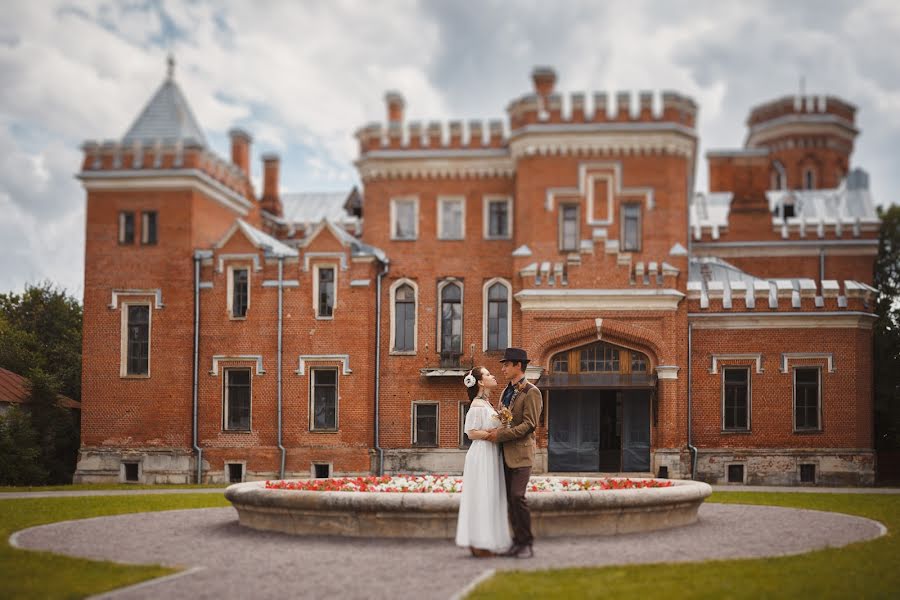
(483, 521)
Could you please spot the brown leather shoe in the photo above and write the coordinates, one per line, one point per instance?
(481, 552)
(522, 551)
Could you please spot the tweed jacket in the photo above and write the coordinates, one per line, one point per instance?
(518, 439)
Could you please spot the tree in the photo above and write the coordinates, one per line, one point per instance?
(41, 328)
(887, 331)
(56, 427)
(20, 451)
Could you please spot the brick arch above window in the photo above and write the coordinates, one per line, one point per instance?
(626, 335)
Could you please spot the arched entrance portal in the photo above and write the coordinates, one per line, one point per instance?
(599, 405)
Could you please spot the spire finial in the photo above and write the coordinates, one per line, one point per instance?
(170, 66)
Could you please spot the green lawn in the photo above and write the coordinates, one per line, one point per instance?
(863, 570)
(107, 486)
(26, 574)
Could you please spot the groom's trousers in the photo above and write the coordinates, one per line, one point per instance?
(519, 515)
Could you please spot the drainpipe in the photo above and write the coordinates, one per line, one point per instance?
(821, 265)
(199, 255)
(691, 448)
(278, 360)
(378, 447)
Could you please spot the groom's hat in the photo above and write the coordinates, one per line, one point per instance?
(515, 354)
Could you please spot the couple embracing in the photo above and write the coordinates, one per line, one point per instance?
(498, 463)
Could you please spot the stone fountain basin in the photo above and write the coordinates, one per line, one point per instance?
(431, 515)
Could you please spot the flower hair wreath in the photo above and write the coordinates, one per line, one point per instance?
(469, 380)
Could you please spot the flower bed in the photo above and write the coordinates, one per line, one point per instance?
(443, 484)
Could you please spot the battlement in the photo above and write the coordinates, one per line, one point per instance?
(161, 155)
(415, 135)
(801, 105)
(671, 107)
(780, 294)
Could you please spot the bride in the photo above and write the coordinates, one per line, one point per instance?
(483, 525)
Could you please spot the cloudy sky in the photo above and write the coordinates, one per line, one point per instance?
(302, 76)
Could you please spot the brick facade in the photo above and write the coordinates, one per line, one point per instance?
(635, 295)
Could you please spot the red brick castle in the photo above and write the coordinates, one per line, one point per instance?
(722, 335)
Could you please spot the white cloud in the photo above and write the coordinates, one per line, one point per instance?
(302, 77)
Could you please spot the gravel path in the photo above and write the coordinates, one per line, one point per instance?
(229, 561)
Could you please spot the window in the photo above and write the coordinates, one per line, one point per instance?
(404, 319)
(807, 473)
(425, 419)
(325, 293)
(497, 314)
(807, 396)
(809, 178)
(599, 358)
(787, 208)
(324, 399)
(451, 218)
(638, 362)
(237, 399)
(631, 228)
(240, 292)
(321, 470)
(560, 363)
(778, 177)
(568, 227)
(235, 472)
(498, 219)
(451, 318)
(735, 473)
(132, 472)
(137, 340)
(736, 398)
(405, 219)
(464, 441)
(126, 227)
(148, 228)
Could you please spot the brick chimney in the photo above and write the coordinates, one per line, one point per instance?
(544, 79)
(271, 202)
(395, 106)
(240, 149)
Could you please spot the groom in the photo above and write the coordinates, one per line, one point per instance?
(524, 402)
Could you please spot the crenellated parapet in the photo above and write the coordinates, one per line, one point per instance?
(435, 135)
(644, 107)
(155, 156)
(788, 295)
(801, 105)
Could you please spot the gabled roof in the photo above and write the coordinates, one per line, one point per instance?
(357, 248)
(14, 390)
(260, 239)
(167, 116)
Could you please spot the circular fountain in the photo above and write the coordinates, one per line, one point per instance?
(416, 514)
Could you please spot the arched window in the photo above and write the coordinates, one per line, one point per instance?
(779, 176)
(404, 319)
(497, 317)
(451, 319)
(809, 178)
(600, 357)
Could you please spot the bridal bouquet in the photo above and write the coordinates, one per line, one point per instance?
(505, 416)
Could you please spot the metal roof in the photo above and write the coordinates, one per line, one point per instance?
(167, 116)
(14, 390)
(310, 208)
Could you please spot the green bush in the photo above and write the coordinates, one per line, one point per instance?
(21, 457)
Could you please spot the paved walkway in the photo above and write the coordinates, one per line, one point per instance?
(224, 560)
(716, 488)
